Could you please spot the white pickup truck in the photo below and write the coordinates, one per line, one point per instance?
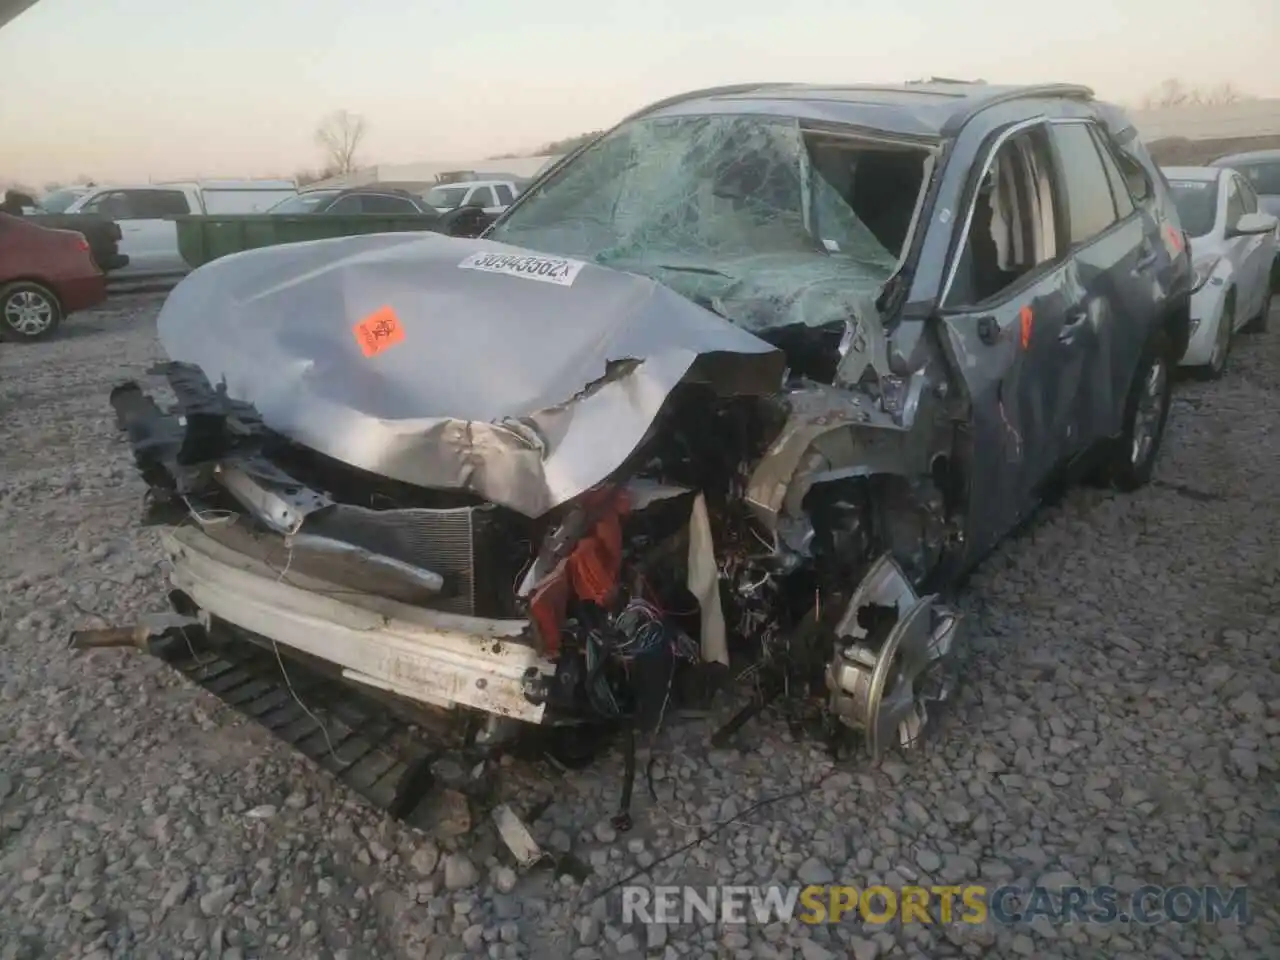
(149, 237)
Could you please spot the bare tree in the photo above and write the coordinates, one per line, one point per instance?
(340, 135)
(1173, 92)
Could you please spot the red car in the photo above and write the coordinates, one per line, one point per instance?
(44, 276)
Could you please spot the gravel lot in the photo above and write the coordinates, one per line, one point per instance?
(1121, 724)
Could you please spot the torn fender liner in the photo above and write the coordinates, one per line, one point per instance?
(523, 391)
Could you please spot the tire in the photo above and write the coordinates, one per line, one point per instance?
(28, 312)
(1260, 323)
(1128, 468)
(1217, 365)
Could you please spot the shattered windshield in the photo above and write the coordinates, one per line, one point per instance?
(710, 197)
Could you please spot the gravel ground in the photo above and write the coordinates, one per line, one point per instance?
(1120, 724)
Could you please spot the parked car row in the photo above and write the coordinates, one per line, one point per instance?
(149, 235)
(1235, 248)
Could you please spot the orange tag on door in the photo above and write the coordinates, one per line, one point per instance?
(378, 331)
(1025, 319)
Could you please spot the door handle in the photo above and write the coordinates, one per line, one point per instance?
(1147, 259)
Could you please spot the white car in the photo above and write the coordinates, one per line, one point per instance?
(149, 235)
(492, 195)
(1233, 248)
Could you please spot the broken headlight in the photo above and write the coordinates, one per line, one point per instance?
(1202, 270)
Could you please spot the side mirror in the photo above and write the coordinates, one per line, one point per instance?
(1251, 224)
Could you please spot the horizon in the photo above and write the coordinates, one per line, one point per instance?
(143, 91)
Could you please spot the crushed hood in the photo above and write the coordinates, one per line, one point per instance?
(455, 364)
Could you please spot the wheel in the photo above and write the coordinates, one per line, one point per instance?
(28, 311)
(1132, 457)
(1259, 323)
(1217, 365)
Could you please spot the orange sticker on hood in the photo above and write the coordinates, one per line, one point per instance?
(1026, 319)
(378, 331)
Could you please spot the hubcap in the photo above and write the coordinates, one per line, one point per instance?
(889, 682)
(28, 312)
(1146, 423)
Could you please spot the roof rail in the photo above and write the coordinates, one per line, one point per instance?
(721, 91)
(1073, 91)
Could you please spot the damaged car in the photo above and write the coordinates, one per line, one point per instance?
(739, 391)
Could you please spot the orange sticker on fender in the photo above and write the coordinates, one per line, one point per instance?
(378, 331)
(1025, 318)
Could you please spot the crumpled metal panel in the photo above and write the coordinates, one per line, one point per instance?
(524, 381)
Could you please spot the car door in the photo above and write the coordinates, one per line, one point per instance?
(1116, 262)
(1256, 256)
(1008, 311)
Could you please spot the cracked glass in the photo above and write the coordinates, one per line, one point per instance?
(728, 210)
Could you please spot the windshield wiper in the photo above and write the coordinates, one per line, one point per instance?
(678, 268)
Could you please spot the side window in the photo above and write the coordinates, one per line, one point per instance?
(504, 194)
(1235, 202)
(482, 196)
(114, 205)
(1012, 226)
(1119, 190)
(1090, 207)
(352, 203)
(1248, 196)
(1135, 176)
(380, 203)
(1264, 177)
(155, 204)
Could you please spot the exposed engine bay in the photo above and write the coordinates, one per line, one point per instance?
(777, 542)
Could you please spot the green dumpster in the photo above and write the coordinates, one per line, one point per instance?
(205, 238)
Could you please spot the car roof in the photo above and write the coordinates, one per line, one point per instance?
(1192, 173)
(1245, 157)
(932, 109)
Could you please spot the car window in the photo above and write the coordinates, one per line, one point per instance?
(114, 205)
(1197, 204)
(1135, 176)
(1235, 202)
(1090, 206)
(154, 204)
(482, 196)
(1264, 177)
(1248, 196)
(504, 193)
(1119, 190)
(446, 197)
(352, 203)
(380, 203)
(1012, 226)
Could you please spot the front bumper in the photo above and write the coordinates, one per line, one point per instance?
(1206, 311)
(435, 658)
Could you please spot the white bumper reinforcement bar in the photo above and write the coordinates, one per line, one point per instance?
(437, 658)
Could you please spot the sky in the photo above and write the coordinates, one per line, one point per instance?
(126, 90)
